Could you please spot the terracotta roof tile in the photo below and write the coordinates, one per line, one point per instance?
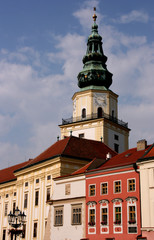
(74, 147)
(149, 154)
(123, 159)
(7, 174)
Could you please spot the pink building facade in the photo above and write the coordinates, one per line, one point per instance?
(113, 205)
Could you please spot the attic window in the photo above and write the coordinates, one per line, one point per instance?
(37, 180)
(48, 177)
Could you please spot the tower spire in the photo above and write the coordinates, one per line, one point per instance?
(94, 71)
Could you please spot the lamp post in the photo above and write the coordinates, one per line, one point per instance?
(16, 220)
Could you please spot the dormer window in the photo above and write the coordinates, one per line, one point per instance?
(83, 113)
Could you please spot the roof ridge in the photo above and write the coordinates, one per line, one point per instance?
(67, 144)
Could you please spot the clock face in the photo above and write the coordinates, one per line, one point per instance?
(100, 99)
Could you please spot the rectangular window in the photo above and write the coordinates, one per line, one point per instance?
(25, 200)
(6, 209)
(81, 135)
(132, 215)
(48, 177)
(45, 223)
(15, 194)
(7, 195)
(26, 184)
(116, 137)
(117, 187)
(35, 230)
(131, 185)
(14, 207)
(4, 234)
(92, 190)
(132, 230)
(117, 215)
(37, 180)
(24, 231)
(76, 215)
(67, 189)
(91, 217)
(104, 216)
(116, 147)
(104, 189)
(48, 194)
(109, 238)
(36, 198)
(58, 216)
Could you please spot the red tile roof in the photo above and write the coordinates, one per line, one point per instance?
(76, 148)
(148, 154)
(123, 159)
(7, 175)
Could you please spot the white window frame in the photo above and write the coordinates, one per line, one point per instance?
(114, 186)
(101, 188)
(89, 190)
(128, 184)
(131, 202)
(117, 203)
(76, 206)
(58, 208)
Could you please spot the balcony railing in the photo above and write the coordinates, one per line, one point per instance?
(94, 116)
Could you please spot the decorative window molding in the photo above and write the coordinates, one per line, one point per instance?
(91, 203)
(117, 200)
(131, 215)
(104, 201)
(131, 199)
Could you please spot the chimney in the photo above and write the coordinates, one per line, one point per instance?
(141, 145)
(108, 156)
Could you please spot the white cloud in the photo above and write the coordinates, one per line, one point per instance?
(134, 16)
(33, 99)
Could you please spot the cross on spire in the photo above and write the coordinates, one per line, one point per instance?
(94, 16)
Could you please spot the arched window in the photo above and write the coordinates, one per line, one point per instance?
(99, 112)
(83, 113)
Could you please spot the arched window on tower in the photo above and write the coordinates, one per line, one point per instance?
(83, 113)
(99, 112)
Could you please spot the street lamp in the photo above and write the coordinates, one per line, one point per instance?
(16, 220)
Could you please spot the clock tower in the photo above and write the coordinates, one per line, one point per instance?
(95, 106)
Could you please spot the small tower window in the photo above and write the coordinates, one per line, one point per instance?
(99, 112)
(83, 113)
(113, 113)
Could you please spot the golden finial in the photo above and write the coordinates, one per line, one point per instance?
(94, 16)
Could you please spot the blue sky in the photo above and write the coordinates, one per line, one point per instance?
(41, 48)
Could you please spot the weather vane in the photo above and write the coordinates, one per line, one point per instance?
(94, 16)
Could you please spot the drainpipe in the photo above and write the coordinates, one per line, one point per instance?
(136, 168)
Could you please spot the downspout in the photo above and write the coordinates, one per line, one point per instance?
(136, 170)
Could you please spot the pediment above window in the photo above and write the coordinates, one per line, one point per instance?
(104, 201)
(117, 200)
(91, 203)
(131, 199)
